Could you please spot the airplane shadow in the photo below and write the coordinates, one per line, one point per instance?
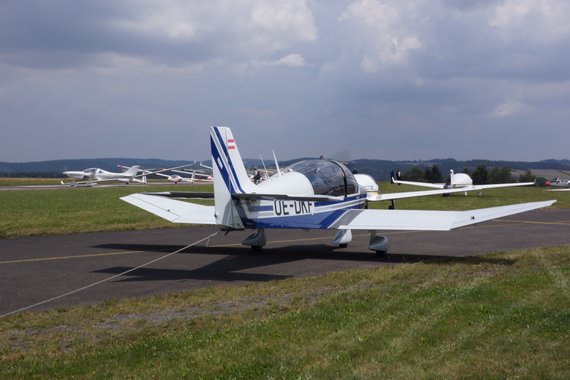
(209, 273)
(237, 263)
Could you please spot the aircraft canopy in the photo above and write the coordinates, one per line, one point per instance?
(327, 177)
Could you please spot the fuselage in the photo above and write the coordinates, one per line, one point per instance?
(81, 174)
(100, 174)
(558, 183)
(305, 178)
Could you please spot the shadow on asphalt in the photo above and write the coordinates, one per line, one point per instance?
(234, 261)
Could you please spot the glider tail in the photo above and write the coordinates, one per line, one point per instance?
(132, 171)
(230, 176)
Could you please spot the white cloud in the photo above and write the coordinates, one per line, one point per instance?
(293, 18)
(540, 20)
(230, 30)
(291, 60)
(509, 108)
(386, 37)
(174, 19)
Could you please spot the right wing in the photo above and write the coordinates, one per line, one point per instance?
(423, 184)
(412, 194)
(413, 220)
(499, 185)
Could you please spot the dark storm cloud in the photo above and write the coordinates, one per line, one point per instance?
(70, 33)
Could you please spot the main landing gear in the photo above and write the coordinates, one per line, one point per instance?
(378, 243)
(256, 240)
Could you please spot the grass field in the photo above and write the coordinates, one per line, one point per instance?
(504, 315)
(70, 210)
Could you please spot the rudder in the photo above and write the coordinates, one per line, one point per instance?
(230, 176)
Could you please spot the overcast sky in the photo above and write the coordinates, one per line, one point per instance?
(414, 79)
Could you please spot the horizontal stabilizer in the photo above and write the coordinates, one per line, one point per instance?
(173, 210)
(413, 220)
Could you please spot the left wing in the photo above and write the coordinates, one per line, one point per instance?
(182, 194)
(172, 210)
(427, 220)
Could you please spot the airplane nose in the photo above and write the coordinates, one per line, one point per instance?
(548, 183)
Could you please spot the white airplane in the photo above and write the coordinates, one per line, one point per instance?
(310, 194)
(561, 185)
(175, 178)
(461, 181)
(94, 175)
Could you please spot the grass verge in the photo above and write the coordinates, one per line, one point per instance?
(497, 316)
(73, 210)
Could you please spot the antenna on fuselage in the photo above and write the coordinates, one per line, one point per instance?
(276, 163)
(264, 167)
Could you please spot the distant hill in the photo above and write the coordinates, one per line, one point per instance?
(379, 169)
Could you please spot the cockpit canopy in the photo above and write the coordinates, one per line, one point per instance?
(327, 177)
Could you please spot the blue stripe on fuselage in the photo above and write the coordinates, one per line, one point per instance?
(317, 220)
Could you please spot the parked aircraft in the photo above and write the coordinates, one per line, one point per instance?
(194, 178)
(461, 181)
(561, 185)
(310, 194)
(94, 175)
(175, 178)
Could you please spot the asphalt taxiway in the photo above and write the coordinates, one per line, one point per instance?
(38, 268)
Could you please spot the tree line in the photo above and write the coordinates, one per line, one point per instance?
(481, 175)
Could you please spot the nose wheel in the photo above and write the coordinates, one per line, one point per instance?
(342, 238)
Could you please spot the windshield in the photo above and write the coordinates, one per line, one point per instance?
(327, 177)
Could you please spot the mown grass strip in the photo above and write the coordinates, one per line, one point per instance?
(498, 316)
(46, 212)
(73, 210)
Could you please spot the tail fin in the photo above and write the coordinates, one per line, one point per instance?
(230, 176)
(132, 171)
